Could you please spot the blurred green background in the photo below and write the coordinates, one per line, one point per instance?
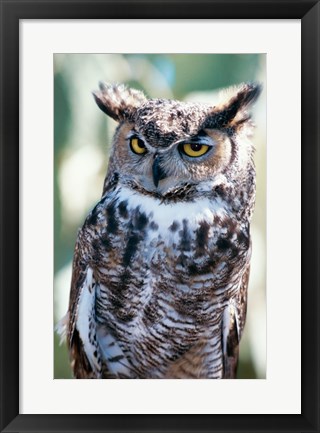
(82, 139)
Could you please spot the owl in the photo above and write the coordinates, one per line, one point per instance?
(161, 264)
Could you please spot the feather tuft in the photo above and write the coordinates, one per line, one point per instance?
(61, 328)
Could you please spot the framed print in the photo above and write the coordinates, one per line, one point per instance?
(52, 55)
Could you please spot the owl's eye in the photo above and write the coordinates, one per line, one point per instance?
(194, 149)
(137, 145)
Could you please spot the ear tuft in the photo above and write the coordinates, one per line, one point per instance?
(117, 100)
(242, 96)
(233, 111)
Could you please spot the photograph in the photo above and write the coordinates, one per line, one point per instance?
(160, 216)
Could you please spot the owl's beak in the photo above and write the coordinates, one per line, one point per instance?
(157, 171)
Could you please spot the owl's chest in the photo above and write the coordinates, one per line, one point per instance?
(143, 237)
(195, 227)
(164, 270)
(170, 222)
(182, 248)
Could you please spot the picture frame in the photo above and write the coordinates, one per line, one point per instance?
(11, 13)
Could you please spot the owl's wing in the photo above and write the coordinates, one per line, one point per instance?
(81, 335)
(94, 351)
(234, 317)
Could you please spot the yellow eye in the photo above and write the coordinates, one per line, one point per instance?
(137, 146)
(195, 149)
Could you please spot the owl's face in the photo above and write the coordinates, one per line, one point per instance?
(162, 145)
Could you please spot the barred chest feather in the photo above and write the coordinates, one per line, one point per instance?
(163, 276)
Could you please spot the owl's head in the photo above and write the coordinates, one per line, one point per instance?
(162, 145)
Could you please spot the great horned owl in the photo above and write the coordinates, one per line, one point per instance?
(161, 264)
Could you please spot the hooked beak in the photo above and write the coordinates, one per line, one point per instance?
(157, 171)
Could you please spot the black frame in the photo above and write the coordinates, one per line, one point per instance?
(11, 12)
